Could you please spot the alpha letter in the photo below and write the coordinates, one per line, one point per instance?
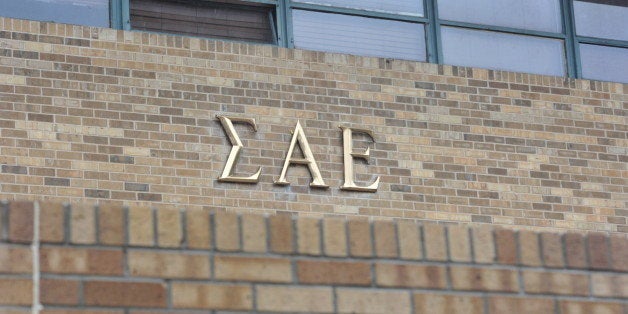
(349, 154)
(298, 136)
(232, 160)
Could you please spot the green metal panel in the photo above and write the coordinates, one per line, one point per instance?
(434, 47)
(572, 53)
(602, 41)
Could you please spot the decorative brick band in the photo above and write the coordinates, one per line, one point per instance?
(138, 259)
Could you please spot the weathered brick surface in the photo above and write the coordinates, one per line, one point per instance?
(330, 273)
(216, 297)
(124, 294)
(253, 269)
(445, 304)
(295, 300)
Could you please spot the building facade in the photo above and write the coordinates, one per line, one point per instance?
(155, 173)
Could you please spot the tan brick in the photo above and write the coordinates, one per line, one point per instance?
(215, 297)
(435, 242)
(611, 285)
(15, 259)
(21, 221)
(538, 282)
(575, 250)
(198, 229)
(552, 250)
(335, 237)
(111, 224)
(124, 294)
(281, 235)
(16, 292)
(506, 246)
(227, 231)
(445, 304)
(51, 224)
(360, 238)
(309, 236)
(484, 279)
(294, 299)
(83, 224)
(59, 292)
(329, 272)
(409, 235)
(80, 311)
(483, 245)
(66, 260)
(168, 265)
(459, 243)
(503, 304)
(619, 251)
(169, 233)
(587, 307)
(411, 276)
(254, 235)
(141, 231)
(385, 237)
(373, 301)
(253, 269)
(529, 250)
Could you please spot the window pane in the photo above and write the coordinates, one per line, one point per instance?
(410, 7)
(205, 19)
(604, 63)
(358, 35)
(503, 51)
(539, 15)
(601, 20)
(85, 12)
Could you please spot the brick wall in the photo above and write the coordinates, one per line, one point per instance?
(129, 118)
(110, 259)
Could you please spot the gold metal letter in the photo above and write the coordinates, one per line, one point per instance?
(349, 154)
(298, 136)
(227, 173)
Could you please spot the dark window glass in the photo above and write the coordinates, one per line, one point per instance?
(502, 51)
(204, 19)
(358, 35)
(539, 15)
(601, 20)
(410, 7)
(604, 63)
(84, 12)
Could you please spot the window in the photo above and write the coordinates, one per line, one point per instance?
(85, 12)
(231, 21)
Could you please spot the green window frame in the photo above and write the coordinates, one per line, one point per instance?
(120, 19)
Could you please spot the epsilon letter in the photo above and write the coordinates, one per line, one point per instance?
(237, 146)
(298, 136)
(349, 154)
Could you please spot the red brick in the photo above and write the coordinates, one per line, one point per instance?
(446, 304)
(59, 292)
(484, 279)
(619, 251)
(503, 304)
(252, 269)
(281, 234)
(67, 260)
(51, 224)
(15, 259)
(326, 272)
(360, 238)
(599, 255)
(552, 250)
(124, 294)
(575, 251)
(593, 307)
(541, 282)
(111, 225)
(529, 250)
(16, 292)
(411, 276)
(214, 297)
(385, 239)
(21, 222)
(506, 246)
